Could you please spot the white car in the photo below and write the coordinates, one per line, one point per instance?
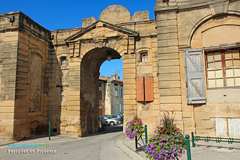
(117, 117)
(110, 121)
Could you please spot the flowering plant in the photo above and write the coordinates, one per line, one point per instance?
(134, 128)
(167, 142)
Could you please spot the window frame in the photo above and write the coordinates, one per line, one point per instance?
(116, 92)
(146, 56)
(121, 92)
(62, 58)
(223, 68)
(100, 95)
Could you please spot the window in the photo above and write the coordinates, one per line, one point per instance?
(63, 61)
(223, 68)
(100, 95)
(116, 92)
(122, 109)
(121, 92)
(117, 110)
(100, 84)
(144, 89)
(144, 57)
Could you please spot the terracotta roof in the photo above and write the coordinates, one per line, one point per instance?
(105, 78)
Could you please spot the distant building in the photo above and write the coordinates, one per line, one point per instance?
(110, 95)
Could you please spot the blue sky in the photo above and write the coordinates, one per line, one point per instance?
(62, 14)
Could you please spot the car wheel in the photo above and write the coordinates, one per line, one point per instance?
(111, 123)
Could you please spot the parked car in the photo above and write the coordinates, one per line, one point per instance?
(109, 121)
(117, 117)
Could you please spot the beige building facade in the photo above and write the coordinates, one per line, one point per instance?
(111, 93)
(186, 60)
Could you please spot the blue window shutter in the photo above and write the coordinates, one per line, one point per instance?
(194, 76)
(117, 109)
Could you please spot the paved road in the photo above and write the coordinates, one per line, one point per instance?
(96, 147)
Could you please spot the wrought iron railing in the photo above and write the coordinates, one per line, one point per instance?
(144, 144)
(216, 139)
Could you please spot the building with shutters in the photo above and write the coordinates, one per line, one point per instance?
(110, 95)
(186, 60)
(199, 64)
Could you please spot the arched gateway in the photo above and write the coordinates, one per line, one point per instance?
(115, 34)
(88, 49)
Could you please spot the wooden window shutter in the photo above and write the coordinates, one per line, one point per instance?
(140, 89)
(194, 76)
(148, 81)
(144, 89)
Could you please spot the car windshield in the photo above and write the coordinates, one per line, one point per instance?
(112, 116)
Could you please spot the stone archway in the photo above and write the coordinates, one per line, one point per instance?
(88, 50)
(90, 66)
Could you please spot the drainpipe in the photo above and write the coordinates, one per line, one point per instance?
(159, 91)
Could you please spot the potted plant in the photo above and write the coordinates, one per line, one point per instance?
(134, 128)
(167, 142)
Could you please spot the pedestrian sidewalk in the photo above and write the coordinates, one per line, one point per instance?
(39, 140)
(202, 151)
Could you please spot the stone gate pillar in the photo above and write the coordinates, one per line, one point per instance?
(70, 115)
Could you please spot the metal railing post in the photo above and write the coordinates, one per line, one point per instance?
(193, 143)
(188, 147)
(146, 137)
(136, 146)
(49, 131)
(146, 134)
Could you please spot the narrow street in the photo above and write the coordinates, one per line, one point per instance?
(100, 146)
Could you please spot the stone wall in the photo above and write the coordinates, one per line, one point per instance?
(8, 67)
(31, 103)
(196, 24)
(25, 84)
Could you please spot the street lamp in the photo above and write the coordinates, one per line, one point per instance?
(109, 56)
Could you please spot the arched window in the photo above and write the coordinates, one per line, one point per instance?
(63, 61)
(144, 57)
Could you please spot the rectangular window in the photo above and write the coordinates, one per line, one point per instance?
(145, 89)
(116, 92)
(122, 109)
(144, 57)
(223, 68)
(121, 92)
(117, 111)
(63, 61)
(100, 95)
